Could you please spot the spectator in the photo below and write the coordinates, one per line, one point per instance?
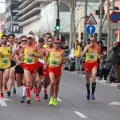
(116, 62)
(77, 55)
(102, 70)
(83, 44)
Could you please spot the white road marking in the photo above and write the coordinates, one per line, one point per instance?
(59, 99)
(3, 103)
(114, 103)
(80, 114)
(8, 99)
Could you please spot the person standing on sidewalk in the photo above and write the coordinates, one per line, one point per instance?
(77, 55)
(92, 54)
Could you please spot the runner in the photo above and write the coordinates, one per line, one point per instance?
(39, 76)
(11, 39)
(30, 64)
(47, 35)
(19, 67)
(56, 59)
(92, 54)
(45, 71)
(5, 55)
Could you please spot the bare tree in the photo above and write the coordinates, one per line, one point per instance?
(72, 5)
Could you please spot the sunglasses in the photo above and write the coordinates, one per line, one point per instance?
(50, 41)
(30, 38)
(92, 40)
(57, 43)
(24, 40)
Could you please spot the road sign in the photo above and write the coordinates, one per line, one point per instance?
(115, 26)
(91, 20)
(115, 17)
(90, 29)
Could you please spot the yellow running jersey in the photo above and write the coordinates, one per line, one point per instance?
(30, 59)
(5, 57)
(92, 55)
(55, 58)
(45, 46)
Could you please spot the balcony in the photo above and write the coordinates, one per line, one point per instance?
(29, 20)
(32, 12)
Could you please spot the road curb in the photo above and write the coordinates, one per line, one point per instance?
(81, 73)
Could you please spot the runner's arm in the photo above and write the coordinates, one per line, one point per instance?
(84, 51)
(46, 57)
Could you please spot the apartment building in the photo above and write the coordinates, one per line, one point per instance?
(31, 13)
(11, 17)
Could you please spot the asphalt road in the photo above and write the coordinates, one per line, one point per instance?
(72, 103)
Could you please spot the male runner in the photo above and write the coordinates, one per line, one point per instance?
(39, 77)
(47, 35)
(92, 54)
(50, 41)
(5, 57)
(30, 67)
(56, 59)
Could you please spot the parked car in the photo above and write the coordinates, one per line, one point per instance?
(70, 61)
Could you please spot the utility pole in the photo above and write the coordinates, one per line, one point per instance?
(58, 16)
(85, 14)
(112, 31)
(101, 17)
(108, 18)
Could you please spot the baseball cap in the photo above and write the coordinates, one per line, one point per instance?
(57, 40)
(40, 40)
(30, 36)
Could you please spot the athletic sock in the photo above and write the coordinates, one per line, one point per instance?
(24, 90)
(45, 90)
(93, 88)
(88, 88)
(28, 91)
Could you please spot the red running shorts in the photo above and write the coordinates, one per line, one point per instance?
(45, 72)
(89, 66)
(56, 70)
(33, 68)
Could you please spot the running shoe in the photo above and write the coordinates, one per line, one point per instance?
(92, 97)
(14, 91)
(88, 96)
(37, 98)
(1, 96)
(45, 96)
(28, 101)
(35, 90)
(55, 102)
(22, 99)
(51, 102)
(9, 93)
(5, 88)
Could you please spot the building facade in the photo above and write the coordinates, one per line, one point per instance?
(40, 16)
(11, 17)
(30, 14)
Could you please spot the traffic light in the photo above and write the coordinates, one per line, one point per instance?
(98, 12)
(57, 24)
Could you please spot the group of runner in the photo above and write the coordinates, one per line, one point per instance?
(33, 64)
(30, 63)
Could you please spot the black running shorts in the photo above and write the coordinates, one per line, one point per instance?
(19, 69)
(40, 71)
